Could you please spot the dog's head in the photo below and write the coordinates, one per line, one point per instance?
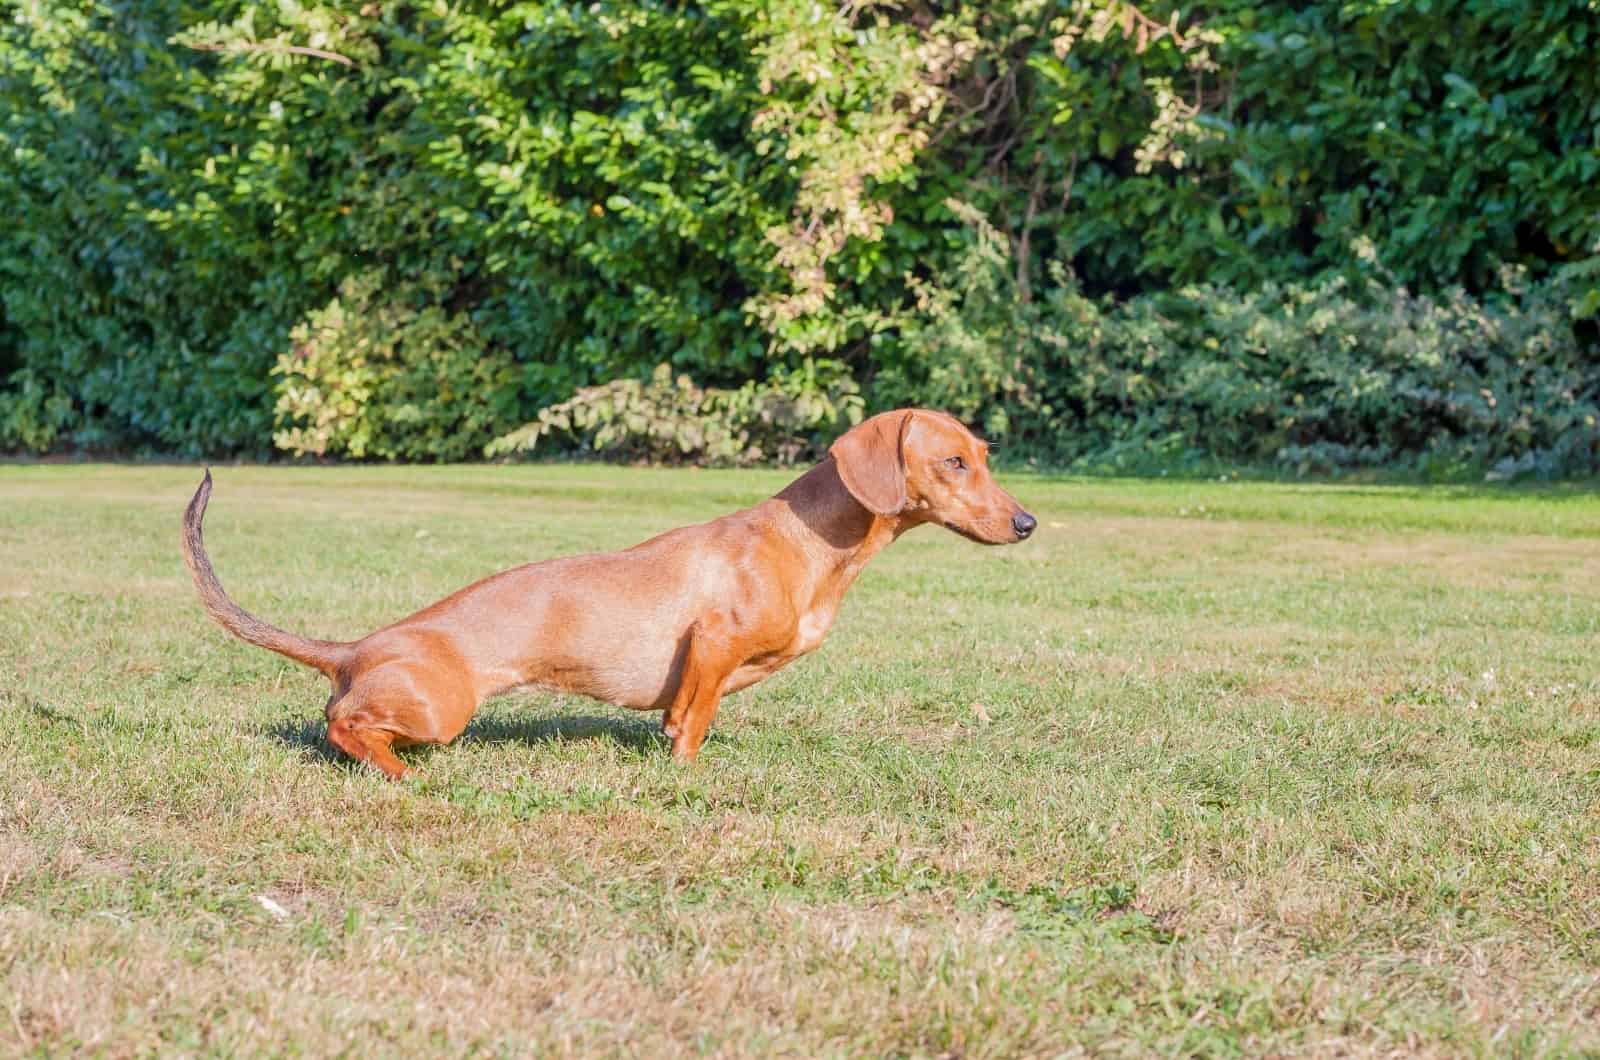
(925, 467)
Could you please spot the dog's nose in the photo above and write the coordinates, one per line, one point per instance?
(1023, 524)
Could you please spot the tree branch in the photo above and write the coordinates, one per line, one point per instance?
(276, 48)
(1024, 288)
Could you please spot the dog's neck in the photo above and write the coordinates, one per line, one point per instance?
(834, 525)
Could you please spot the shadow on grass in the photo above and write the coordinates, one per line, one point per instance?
(632, 733)
(310, 737)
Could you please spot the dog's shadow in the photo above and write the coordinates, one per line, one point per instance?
(310, 737)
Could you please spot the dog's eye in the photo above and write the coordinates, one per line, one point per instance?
(955, 463)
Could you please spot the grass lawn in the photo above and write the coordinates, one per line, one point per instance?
(1203, 768)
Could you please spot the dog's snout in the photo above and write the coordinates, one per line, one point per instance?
(1023, 524)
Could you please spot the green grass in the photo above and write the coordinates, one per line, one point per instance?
(1203, 769)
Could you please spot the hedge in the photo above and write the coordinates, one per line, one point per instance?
(400, 231)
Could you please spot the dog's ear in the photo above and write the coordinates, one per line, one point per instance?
(871, 458)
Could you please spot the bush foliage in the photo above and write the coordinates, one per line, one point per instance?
(1341, 373)
(395, 231)
(669, 420)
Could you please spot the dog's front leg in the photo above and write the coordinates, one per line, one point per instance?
(711, 657)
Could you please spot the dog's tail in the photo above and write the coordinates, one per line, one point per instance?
(325, 655)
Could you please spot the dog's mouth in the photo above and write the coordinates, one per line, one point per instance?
(973, 535)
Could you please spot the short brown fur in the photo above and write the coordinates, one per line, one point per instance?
(673, 624)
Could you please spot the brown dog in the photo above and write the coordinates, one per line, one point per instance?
(673, 624)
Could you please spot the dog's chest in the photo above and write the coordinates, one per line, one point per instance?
(812, 629)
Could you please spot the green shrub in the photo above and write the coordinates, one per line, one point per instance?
(562, 195)
(578, 181)
(963, 345)
(1249, 142)
(670, 420)
(1323, 376)
(382, 371)
(32, 415)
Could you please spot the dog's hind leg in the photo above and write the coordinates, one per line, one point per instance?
(390, 707)
(366, 743)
